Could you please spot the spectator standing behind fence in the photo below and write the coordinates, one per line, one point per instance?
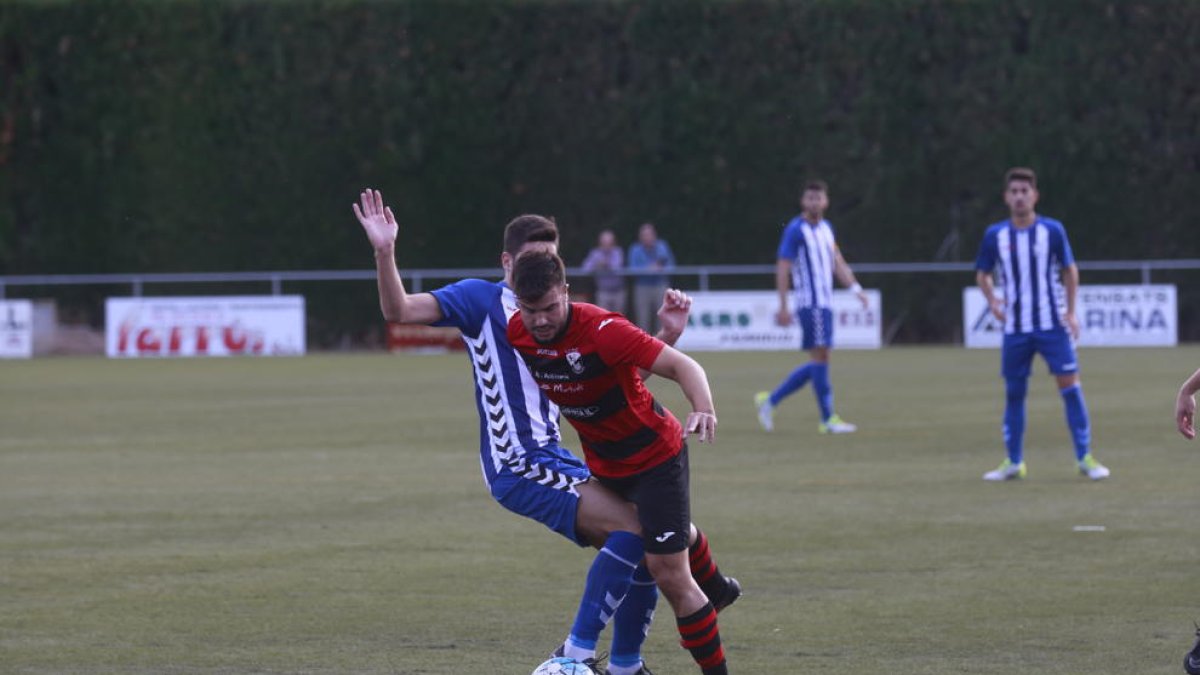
(649, 253)
(604, 262)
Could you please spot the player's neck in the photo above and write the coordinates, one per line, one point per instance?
(812, 219)
(1022, 222)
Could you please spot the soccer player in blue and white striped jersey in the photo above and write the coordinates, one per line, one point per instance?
(525, 467)
(1032, 262)
(809, 258)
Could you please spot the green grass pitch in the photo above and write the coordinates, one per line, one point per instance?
(326, 515)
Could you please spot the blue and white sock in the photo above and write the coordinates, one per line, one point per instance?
(607, 583)
(632, 624)
(1077, 419)
(823, 389)
(1015, 389)
(792, 383)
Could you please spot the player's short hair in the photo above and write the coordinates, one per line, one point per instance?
(1021, 173)
(536, 272)
(815, 185)
(524, 229)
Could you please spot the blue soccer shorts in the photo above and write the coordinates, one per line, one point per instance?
(816, 326)
(1055, 346)
(543, 487)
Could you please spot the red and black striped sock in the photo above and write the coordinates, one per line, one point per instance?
(700, 635)
(704, 568)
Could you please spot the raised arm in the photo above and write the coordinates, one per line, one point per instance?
(672, 316)
(675, 365)
(380, 226)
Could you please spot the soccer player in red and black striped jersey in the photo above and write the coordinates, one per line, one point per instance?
(588, 361)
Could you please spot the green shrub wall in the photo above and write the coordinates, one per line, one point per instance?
(177, 135)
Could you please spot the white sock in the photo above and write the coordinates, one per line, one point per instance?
(624, 670)
(578, 653)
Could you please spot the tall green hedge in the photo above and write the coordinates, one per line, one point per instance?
(173, 135)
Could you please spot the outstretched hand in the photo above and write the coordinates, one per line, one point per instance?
(376, 219)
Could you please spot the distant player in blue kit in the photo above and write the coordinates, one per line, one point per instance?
(524, 465)
(809, 258)
(1032, 261)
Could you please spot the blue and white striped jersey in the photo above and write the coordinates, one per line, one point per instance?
(514, 417)
(811, 250)
(1028, 262)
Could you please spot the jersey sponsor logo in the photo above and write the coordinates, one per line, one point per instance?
(603, 324)
(664, 536)
(547, 375)
(547, 352)
(564, 388)
(580, 412)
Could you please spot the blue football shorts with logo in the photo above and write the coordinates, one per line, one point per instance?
(554, 504)
(1055, 346)
(816, 326)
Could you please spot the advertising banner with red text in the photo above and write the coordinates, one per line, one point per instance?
(269, 325)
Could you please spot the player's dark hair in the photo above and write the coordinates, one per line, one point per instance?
(1020, 173)
(527, 228)
(816, 185)
(536, 272)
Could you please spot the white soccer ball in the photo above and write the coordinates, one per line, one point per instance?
(561, 665)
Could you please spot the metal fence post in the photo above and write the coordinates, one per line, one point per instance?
(137, 287)
(276, 285)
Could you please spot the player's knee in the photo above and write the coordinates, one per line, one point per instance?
(670, 572)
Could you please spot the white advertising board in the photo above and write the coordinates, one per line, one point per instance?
(16, 329)
(745, 320)
(1109, 316)
(271, 325)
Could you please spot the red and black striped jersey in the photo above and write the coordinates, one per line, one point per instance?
(591, 372)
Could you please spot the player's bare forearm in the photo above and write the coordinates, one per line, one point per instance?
(783, 280)
(1070, 277)
(379, 224)
(675, 365)
(397, 305)
(683, 369)
(842, 270)
(986, 286)
(984, 281)
(1185, 406)
(1192, 385)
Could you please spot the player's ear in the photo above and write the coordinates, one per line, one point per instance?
(506, 261)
